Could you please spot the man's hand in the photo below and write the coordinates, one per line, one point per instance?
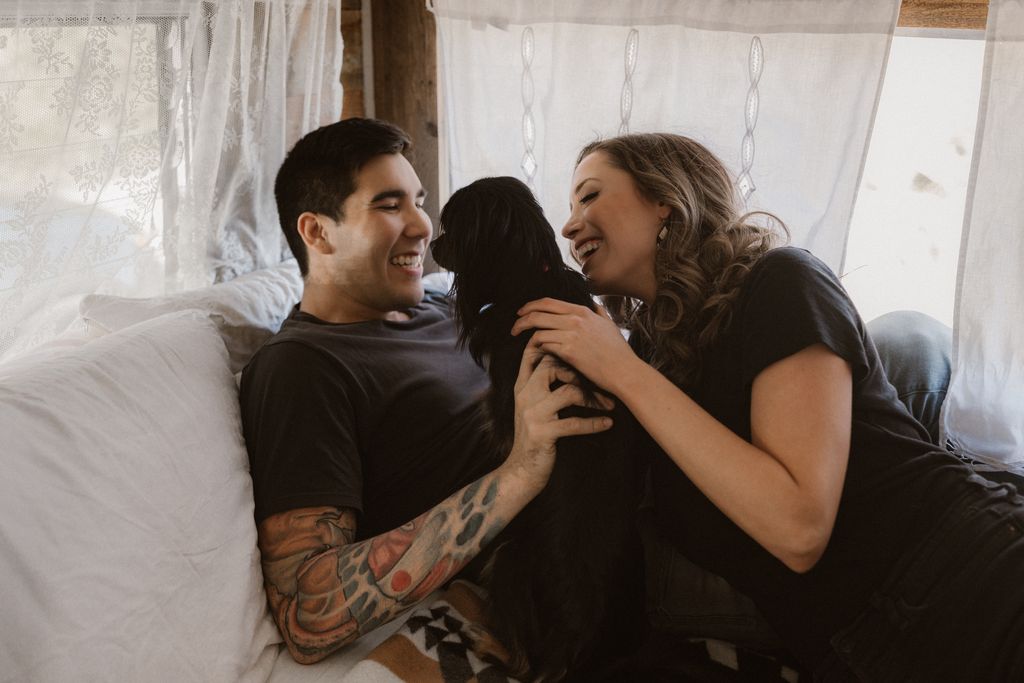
(538, 426)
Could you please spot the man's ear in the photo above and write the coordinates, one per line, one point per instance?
(313, 230)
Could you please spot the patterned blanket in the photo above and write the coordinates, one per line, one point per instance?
(446, 642)
(443, 642)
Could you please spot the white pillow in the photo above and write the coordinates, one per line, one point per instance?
(247, 310)
(127, 541)
(440, 281)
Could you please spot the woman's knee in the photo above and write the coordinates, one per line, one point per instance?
(916, 351)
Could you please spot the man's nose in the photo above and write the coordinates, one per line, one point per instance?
(419, 226)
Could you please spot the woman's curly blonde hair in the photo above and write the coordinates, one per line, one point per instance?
(709, 247)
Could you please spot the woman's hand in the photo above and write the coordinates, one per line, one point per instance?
(538, 426)
(591, 342)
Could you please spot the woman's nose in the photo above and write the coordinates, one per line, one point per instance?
(571, 227)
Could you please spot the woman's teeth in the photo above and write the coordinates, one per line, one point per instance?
(588, 248)
(407, 261)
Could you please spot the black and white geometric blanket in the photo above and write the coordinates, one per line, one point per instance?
(446, 642)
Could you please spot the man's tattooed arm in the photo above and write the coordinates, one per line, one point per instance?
(326, 591)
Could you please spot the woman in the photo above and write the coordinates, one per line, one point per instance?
(781, 457)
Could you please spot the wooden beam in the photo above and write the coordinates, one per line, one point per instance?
(405, 84)
(955, 14)
(352, 61)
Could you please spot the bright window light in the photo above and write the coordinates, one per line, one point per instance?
(905, 234)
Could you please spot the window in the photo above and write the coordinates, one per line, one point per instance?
(904, 238)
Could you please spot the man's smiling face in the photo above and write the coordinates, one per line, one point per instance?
(379, 243)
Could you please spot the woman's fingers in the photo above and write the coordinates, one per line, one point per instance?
(548, 341)
(548, 313)
(549, 305)
(544, 320)
(589, 341)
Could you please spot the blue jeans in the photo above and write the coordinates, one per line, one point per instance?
(688, 601)
(916, 353)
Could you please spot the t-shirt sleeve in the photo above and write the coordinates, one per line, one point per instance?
(792, 301)
(299, 422)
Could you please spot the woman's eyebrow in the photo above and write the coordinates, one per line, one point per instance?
(577, 190)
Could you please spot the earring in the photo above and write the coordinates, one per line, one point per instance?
(663, 233)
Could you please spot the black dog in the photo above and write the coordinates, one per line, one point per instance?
(566, 579)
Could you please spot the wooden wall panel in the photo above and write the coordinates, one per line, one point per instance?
(956, 14)
(405, 83)
(353, 103)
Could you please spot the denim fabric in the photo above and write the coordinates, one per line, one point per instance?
(688, 601)
(916, 352)
(951, 610)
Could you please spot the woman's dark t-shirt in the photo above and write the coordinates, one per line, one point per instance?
(895, 484)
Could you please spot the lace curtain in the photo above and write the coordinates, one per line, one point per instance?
(983, 416)
(139, 141)
(783, 91)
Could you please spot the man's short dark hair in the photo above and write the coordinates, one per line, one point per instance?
(319, 172)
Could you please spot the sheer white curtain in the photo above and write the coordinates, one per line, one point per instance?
(139, 141)
(983, 416)
(784, 91)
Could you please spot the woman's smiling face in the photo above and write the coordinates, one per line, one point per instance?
(613, 229)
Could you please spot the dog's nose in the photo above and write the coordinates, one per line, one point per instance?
(440, 252)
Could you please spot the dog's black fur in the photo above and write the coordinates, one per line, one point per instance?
(566, 579)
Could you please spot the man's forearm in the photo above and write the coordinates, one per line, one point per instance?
(327, 591)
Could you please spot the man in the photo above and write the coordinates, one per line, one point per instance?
(361, 415)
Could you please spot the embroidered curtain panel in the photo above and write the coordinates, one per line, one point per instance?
(983, 416)
(139, 141)
(784, 92)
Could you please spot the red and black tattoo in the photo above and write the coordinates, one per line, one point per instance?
(325, 590)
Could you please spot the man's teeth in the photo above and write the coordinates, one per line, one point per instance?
(407, 260)
(588, 248)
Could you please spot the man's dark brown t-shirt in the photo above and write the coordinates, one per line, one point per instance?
(380, 416)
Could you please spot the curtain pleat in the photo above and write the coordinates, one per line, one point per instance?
(983, 416)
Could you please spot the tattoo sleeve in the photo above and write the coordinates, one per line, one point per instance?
(325, 591)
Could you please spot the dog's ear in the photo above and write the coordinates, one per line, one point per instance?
(459, 230)
(496, 224)
(522, 236)
(459, 249)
